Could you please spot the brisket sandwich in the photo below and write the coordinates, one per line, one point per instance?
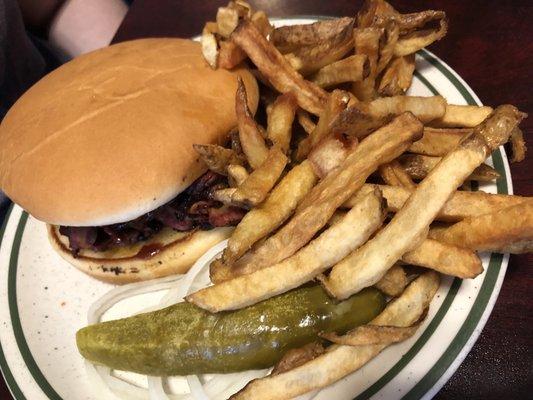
(102, 151)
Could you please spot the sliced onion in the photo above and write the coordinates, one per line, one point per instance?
(218, 386)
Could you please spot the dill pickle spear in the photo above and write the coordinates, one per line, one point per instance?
(183, 339)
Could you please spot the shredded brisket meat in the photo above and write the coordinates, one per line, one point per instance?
(194, 208)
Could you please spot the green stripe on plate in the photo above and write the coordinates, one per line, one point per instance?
(15, 317)
(6, 372)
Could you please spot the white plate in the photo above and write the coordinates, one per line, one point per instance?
(43, 301)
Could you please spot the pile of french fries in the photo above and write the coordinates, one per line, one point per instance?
(352, 183)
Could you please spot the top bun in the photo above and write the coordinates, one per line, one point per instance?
(108, 136)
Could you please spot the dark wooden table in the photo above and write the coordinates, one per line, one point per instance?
(490, 44)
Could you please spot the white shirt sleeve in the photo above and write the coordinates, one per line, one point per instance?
(81, 26)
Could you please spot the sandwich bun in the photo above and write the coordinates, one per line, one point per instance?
(173, 253)
(108, 137)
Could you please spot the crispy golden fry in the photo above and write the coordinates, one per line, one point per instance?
(338, 101)
(227, 20)
(305, 121)
(410, 225)
(237, 174)
(350, 69)
(374, 13)
(277, 207)
(295, 62)
(280, 118)
(338, 360)
(413, 21)
(243, 8)
(445, 258)
(224, 195)
(518, 145)
(366, 42)
(462, 116)
(230, 55)
(296, 357)
(372, 334)
(439, 142)
(210, 48)
(250, 136)
(256, 187)
(398, 76)
(460, 205)
(424, 108)
(250, 285)
(393, 174)
(330, 153)
(290, 38)
(355, 121)
(276, 68)
(387, 48)
(317, 44)
(260, 19)
(507, 230)
(217, 157)
(319, 205)
(419, 166)
(417, 40)
(393, 282)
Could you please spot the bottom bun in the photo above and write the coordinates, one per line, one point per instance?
(167, 253)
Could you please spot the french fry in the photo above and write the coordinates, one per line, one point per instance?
(292, 37)
(338, 101)
(330, 153)
(249, 285)
(276, 68)
(461, 204)
(340, 360)
(256, 187)
(387, 48)
(224, 195)
(417, 40)
(507, 230)
(366, 42)
(227, 20)
(419, 166)
(357, 122)
(277, 207)
(209, 48)
(424, 108)
(393, 282)
(260, 19)
(410, 225)
(445, 258)
(280, 118)
(457, 116)
(375, 13)
(393, 174)
(305, 121)
(237, 174)
(217, 158)
(319, 205)
(439, 142)
(230, 55)
(518, 145)
(251, 140)
(317, 44)
(410, 22)
(350, 69)
(397, 76)
(296, 357)
(372, 334)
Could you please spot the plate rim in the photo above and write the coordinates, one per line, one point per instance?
(442, 369)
